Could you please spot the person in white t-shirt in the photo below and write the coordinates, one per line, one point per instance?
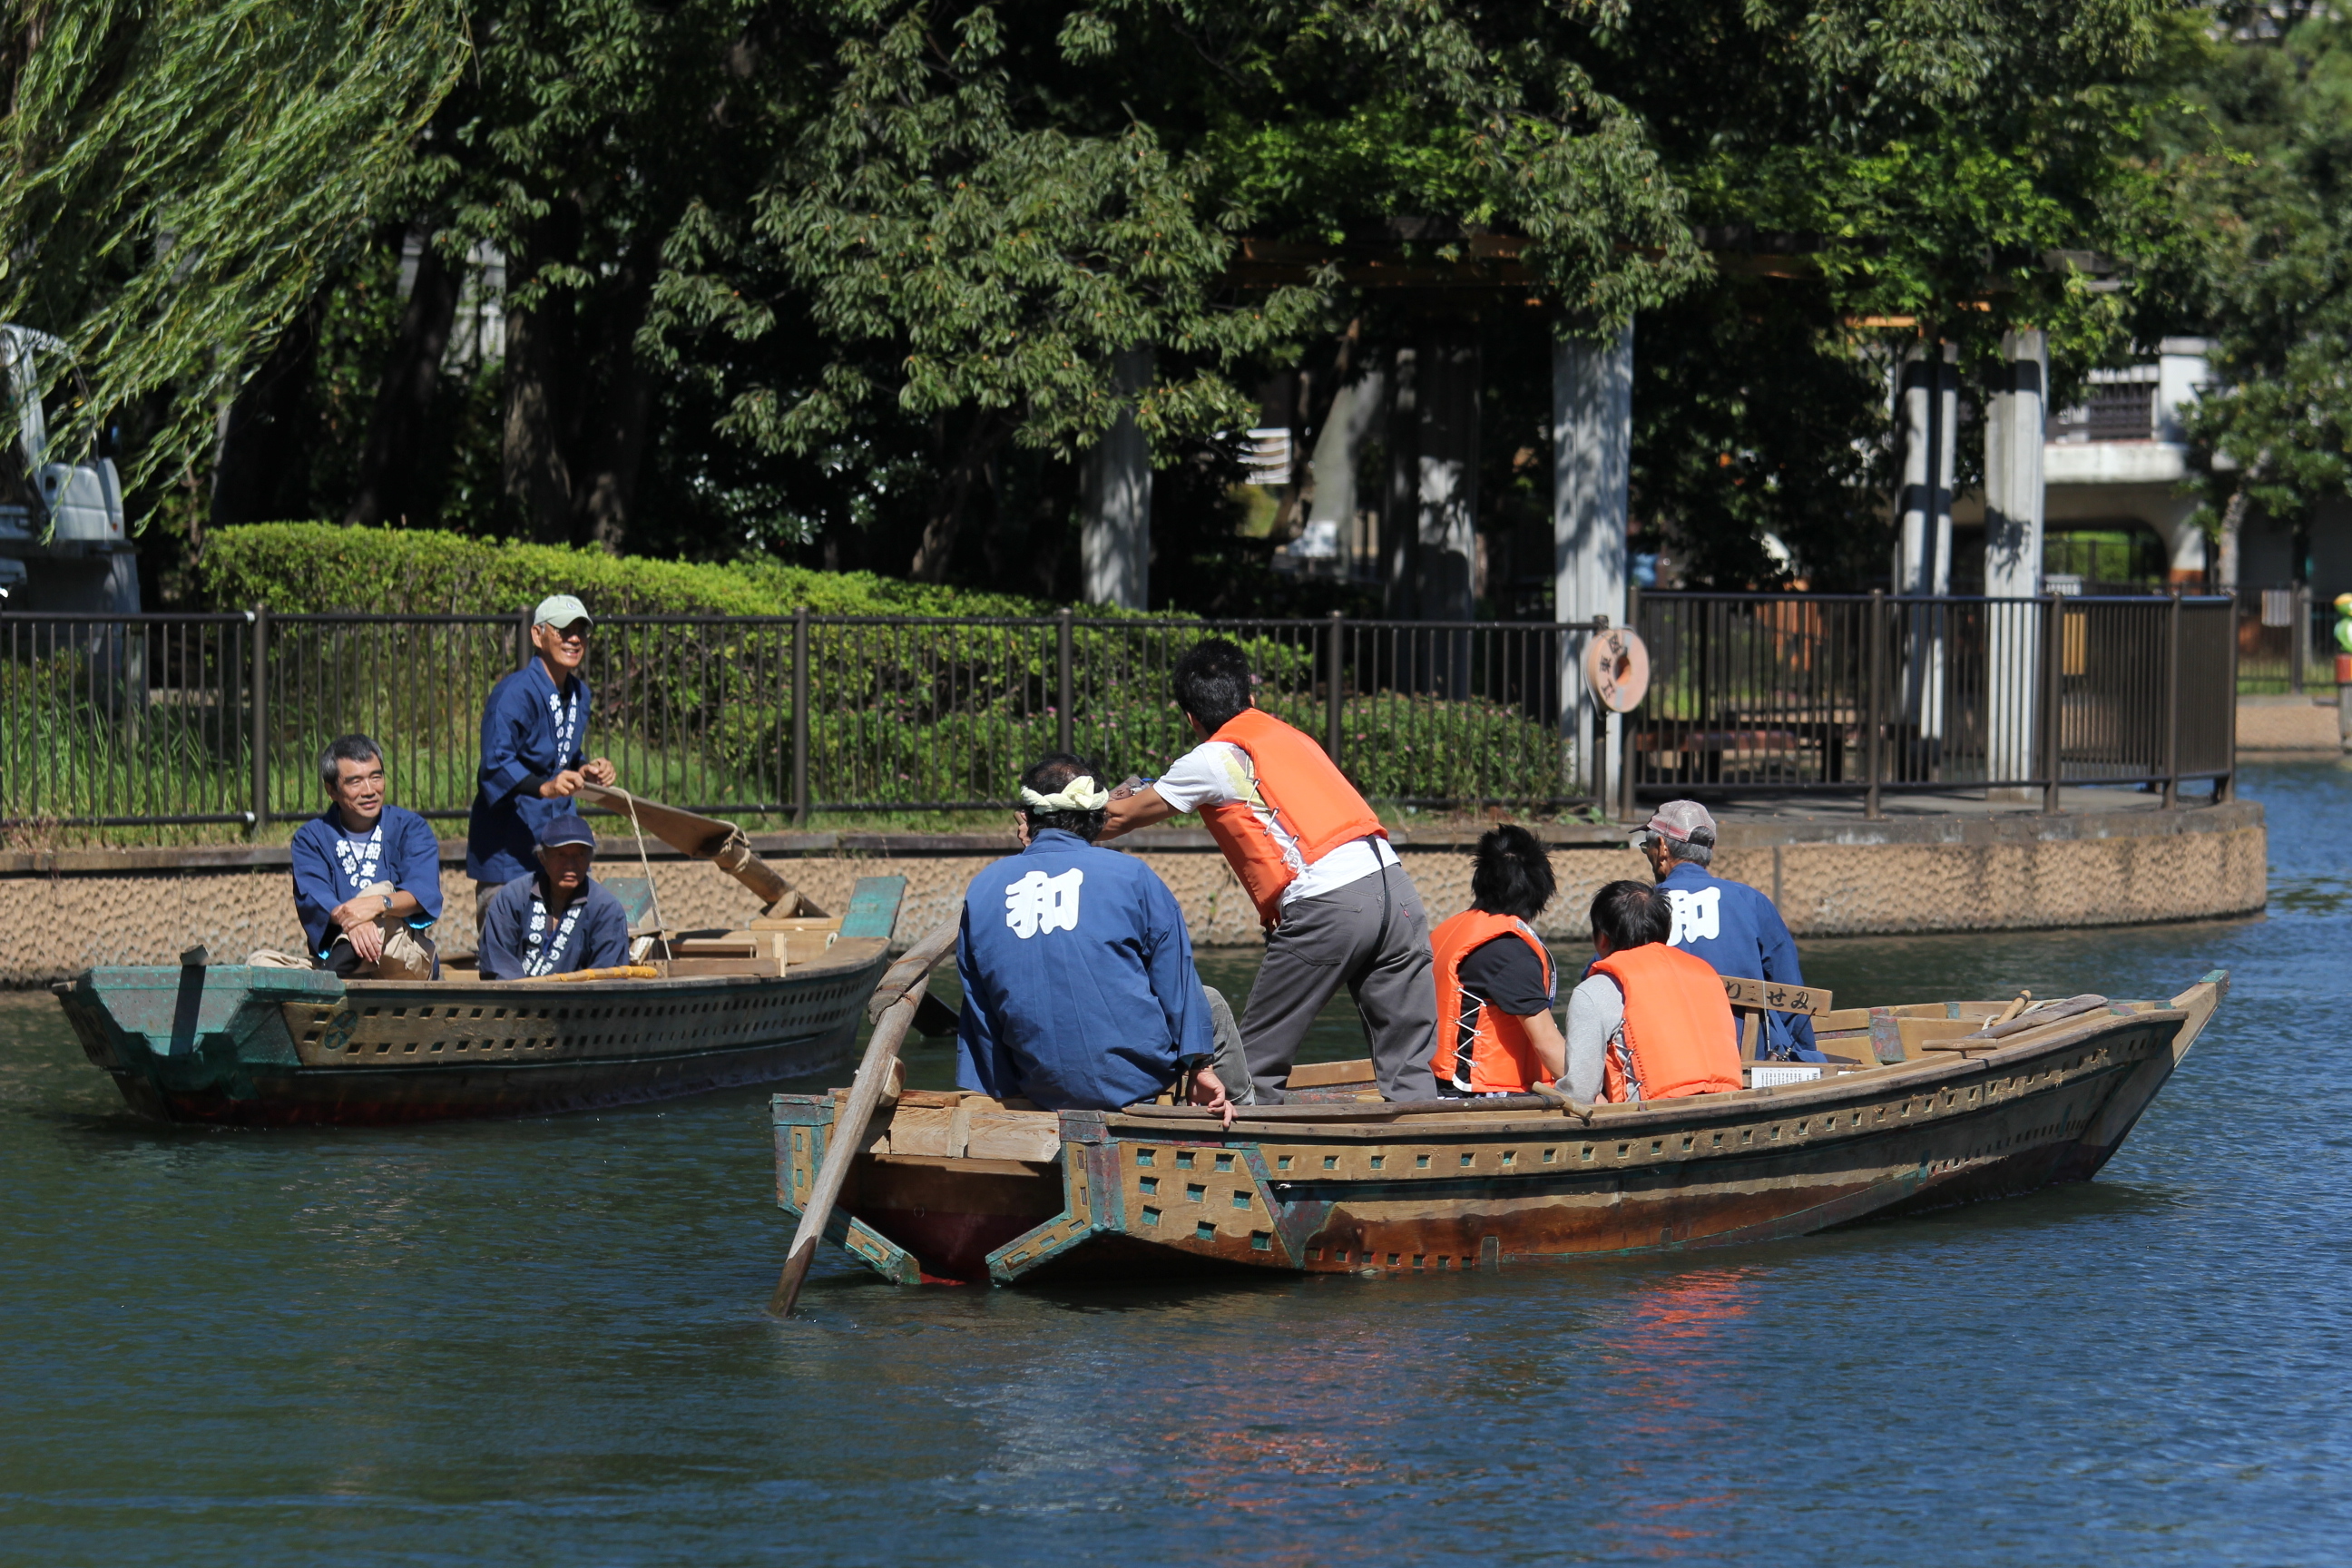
(1336, 903)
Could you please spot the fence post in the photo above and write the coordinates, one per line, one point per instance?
(1062, 677)
(2053, 695)
(2298, 647)
(258, 818)
(1873, 716)
(2172, 704)
(1332, 675)
(800, 717)
(2226, 787)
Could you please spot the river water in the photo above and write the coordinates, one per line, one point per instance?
(542, 1341)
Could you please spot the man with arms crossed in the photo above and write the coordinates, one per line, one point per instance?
(1337, 906)
(367, 876)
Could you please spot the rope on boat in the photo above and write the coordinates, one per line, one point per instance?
(661, 927)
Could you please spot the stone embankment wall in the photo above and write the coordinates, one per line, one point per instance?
(61, 911)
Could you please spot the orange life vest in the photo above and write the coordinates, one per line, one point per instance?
(1312, 799)
(1503, 1059)
(1679, 1036)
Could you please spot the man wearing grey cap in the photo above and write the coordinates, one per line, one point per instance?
(534, 751)
(1729, 924)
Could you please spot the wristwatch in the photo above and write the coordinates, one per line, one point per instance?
(387, 901)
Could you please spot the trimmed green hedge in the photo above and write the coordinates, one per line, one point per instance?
(299, 568)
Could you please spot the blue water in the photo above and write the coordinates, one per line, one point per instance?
(540, 1341)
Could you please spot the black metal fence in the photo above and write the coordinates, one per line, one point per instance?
(2285, 641)
(188, 720)
(1865, 694)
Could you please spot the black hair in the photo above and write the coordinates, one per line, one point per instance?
(1047, 775)
(1211, 682)
(1512, 875)
(1631, 914)
(346, 749)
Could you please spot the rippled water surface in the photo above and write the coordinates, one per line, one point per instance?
(542, 1342)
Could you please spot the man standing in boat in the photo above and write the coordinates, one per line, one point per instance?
(1335, 901)
(367, 875)
(534, 751)
(1731, 925)
(558, 920)
(1078, 986)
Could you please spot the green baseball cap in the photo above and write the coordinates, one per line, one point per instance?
(561, 610)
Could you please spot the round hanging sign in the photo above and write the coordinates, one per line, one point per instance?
(1617, 669)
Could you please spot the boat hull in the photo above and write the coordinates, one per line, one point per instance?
(1153, 1192)
(235, 1045)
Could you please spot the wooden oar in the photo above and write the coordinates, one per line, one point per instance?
(893, 1008)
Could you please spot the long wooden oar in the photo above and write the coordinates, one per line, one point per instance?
(892, 1007)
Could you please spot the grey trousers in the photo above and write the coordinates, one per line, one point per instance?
(1371, 937)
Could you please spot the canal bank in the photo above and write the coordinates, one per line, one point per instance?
(1932, 863)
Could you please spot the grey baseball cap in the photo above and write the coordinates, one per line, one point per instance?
(1681, 820)
(560, 610)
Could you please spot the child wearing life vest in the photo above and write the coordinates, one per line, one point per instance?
(1495, 1034)
(1649, 1021)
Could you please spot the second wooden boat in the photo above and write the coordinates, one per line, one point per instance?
(1946, 1103)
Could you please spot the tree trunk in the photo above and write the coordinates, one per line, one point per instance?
(531, 464)
(944, 518)
(260, 475)
(403, 404)
(2234, 523)
(610, 446)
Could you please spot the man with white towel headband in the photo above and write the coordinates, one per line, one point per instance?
(1078, 986)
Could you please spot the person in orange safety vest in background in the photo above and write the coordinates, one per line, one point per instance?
(1495, 1034)
(1336, 905)
(1649, 1021)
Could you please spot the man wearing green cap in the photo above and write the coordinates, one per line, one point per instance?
(534, 751)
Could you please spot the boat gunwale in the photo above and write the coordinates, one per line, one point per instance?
(1736, 1105)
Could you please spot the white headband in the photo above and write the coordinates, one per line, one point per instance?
(1079, 795)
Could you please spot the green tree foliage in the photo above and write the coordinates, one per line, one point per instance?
(2263, 169)
(175, 181)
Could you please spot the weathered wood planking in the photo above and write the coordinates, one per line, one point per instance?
(1446, 1187)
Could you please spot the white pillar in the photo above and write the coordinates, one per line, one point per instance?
(1448, 410)
(1115, 498)
(2013, 488)
(1355, 414)
(2014, 428)
(1591, 448)
(1928, 404)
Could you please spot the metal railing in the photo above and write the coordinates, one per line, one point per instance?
(186, 721)
(1867, 694)
(2286, 641)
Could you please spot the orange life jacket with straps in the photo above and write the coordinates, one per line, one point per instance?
(1308, 795)
(1503, 1059)
(1679, 1036)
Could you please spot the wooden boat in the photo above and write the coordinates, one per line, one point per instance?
(1941, 1103)
(257, 1046)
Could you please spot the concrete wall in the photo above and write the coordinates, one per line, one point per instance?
(64, 911)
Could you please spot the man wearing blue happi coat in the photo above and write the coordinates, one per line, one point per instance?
(367, 875)
(1078, 986)
(534, 751)
(1729, 924)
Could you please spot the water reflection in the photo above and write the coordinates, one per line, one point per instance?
(541, 1341)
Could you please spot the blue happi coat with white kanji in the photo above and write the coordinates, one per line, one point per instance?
(1078, 986)
(531, 733)
(1736, 930)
